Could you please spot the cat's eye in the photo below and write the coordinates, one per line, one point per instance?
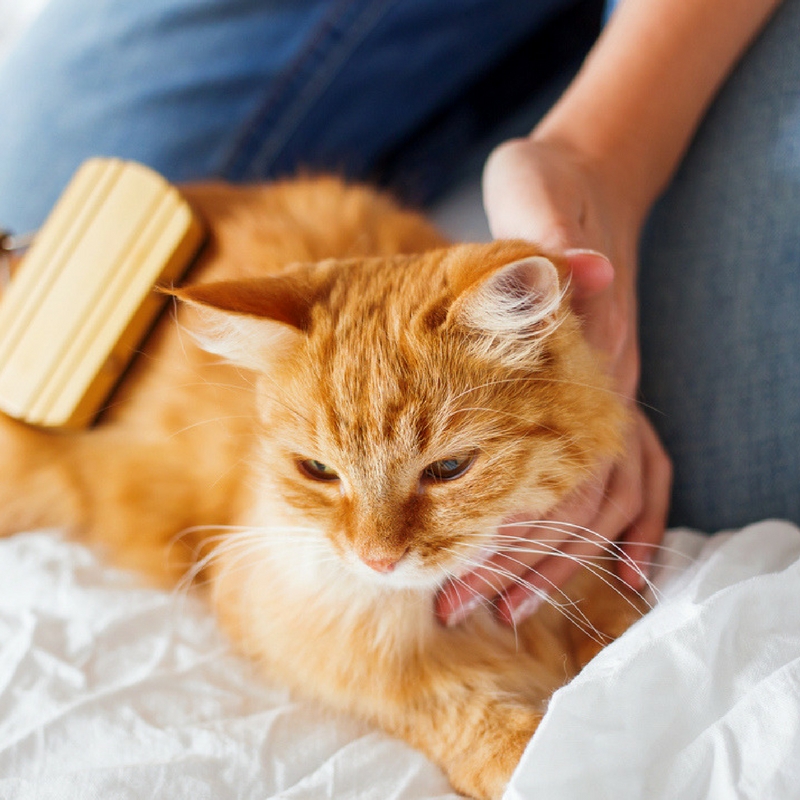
(448, 469)
(316, 470)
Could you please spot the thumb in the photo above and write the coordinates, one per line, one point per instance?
(517, 201)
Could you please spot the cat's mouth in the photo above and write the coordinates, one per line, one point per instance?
(407, 572)
(411, 570)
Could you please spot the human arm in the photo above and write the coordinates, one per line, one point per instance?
(586, 177)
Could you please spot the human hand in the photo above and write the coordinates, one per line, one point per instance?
(548, 193)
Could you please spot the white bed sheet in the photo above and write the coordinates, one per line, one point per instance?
(111, 690)
(701, 699)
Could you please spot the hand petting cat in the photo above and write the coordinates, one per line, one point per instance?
(586, 178)
(542, 191)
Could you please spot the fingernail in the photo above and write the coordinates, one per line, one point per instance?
(462, 611)
(584, 251)
(527, 608)
(640, 573)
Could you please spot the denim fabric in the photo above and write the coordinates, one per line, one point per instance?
(247, 89)
(241, 89)
(720, 298)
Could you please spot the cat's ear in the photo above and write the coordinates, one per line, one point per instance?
(515, 299)
(249, 322)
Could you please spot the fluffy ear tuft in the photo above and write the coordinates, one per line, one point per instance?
(513, 300)
(248, 322)
(512, 308)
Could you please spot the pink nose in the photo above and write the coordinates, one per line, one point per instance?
(380, 564)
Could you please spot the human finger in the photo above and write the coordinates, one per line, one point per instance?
(492, 577)
(518, 545)
(643, 537)
(620, 503)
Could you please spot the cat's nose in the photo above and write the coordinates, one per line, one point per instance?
(381, 564)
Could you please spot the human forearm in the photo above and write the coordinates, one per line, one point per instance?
(638, 99)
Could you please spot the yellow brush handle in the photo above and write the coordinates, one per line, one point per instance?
(82, 299)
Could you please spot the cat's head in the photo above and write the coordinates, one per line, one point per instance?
(410, 404)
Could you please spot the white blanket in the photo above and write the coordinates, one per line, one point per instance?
(111, 690)
(701, 699)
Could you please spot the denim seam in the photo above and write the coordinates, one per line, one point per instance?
(304, 81)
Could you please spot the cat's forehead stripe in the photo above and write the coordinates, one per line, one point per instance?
(370, 350)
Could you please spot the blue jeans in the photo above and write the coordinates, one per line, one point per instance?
(248, 89)
(238, 89)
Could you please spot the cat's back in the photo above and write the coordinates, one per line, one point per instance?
(257, 229)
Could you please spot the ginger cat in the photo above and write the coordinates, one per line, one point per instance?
(364, 407)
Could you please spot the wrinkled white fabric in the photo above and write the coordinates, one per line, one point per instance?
(111, 690)
(701, 699)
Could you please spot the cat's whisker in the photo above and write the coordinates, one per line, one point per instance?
(258, 557)
(209, 421)
(230, 468)
(496, 590)
(181, 331)
(275, 398)
(512, 546)
(568, 608)
(244, 538)
(449, 575)
(604, 574)
(201, 564)
(209, 384)
(247, 559)
(517, 578)
(569, 528)
(228, 532)
(233, 537)
(578, 618)
(587, 535)
(565, 606)
(538, 379)
(553, 551)
(522, 545)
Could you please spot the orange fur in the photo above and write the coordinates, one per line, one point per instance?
(362, 341)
